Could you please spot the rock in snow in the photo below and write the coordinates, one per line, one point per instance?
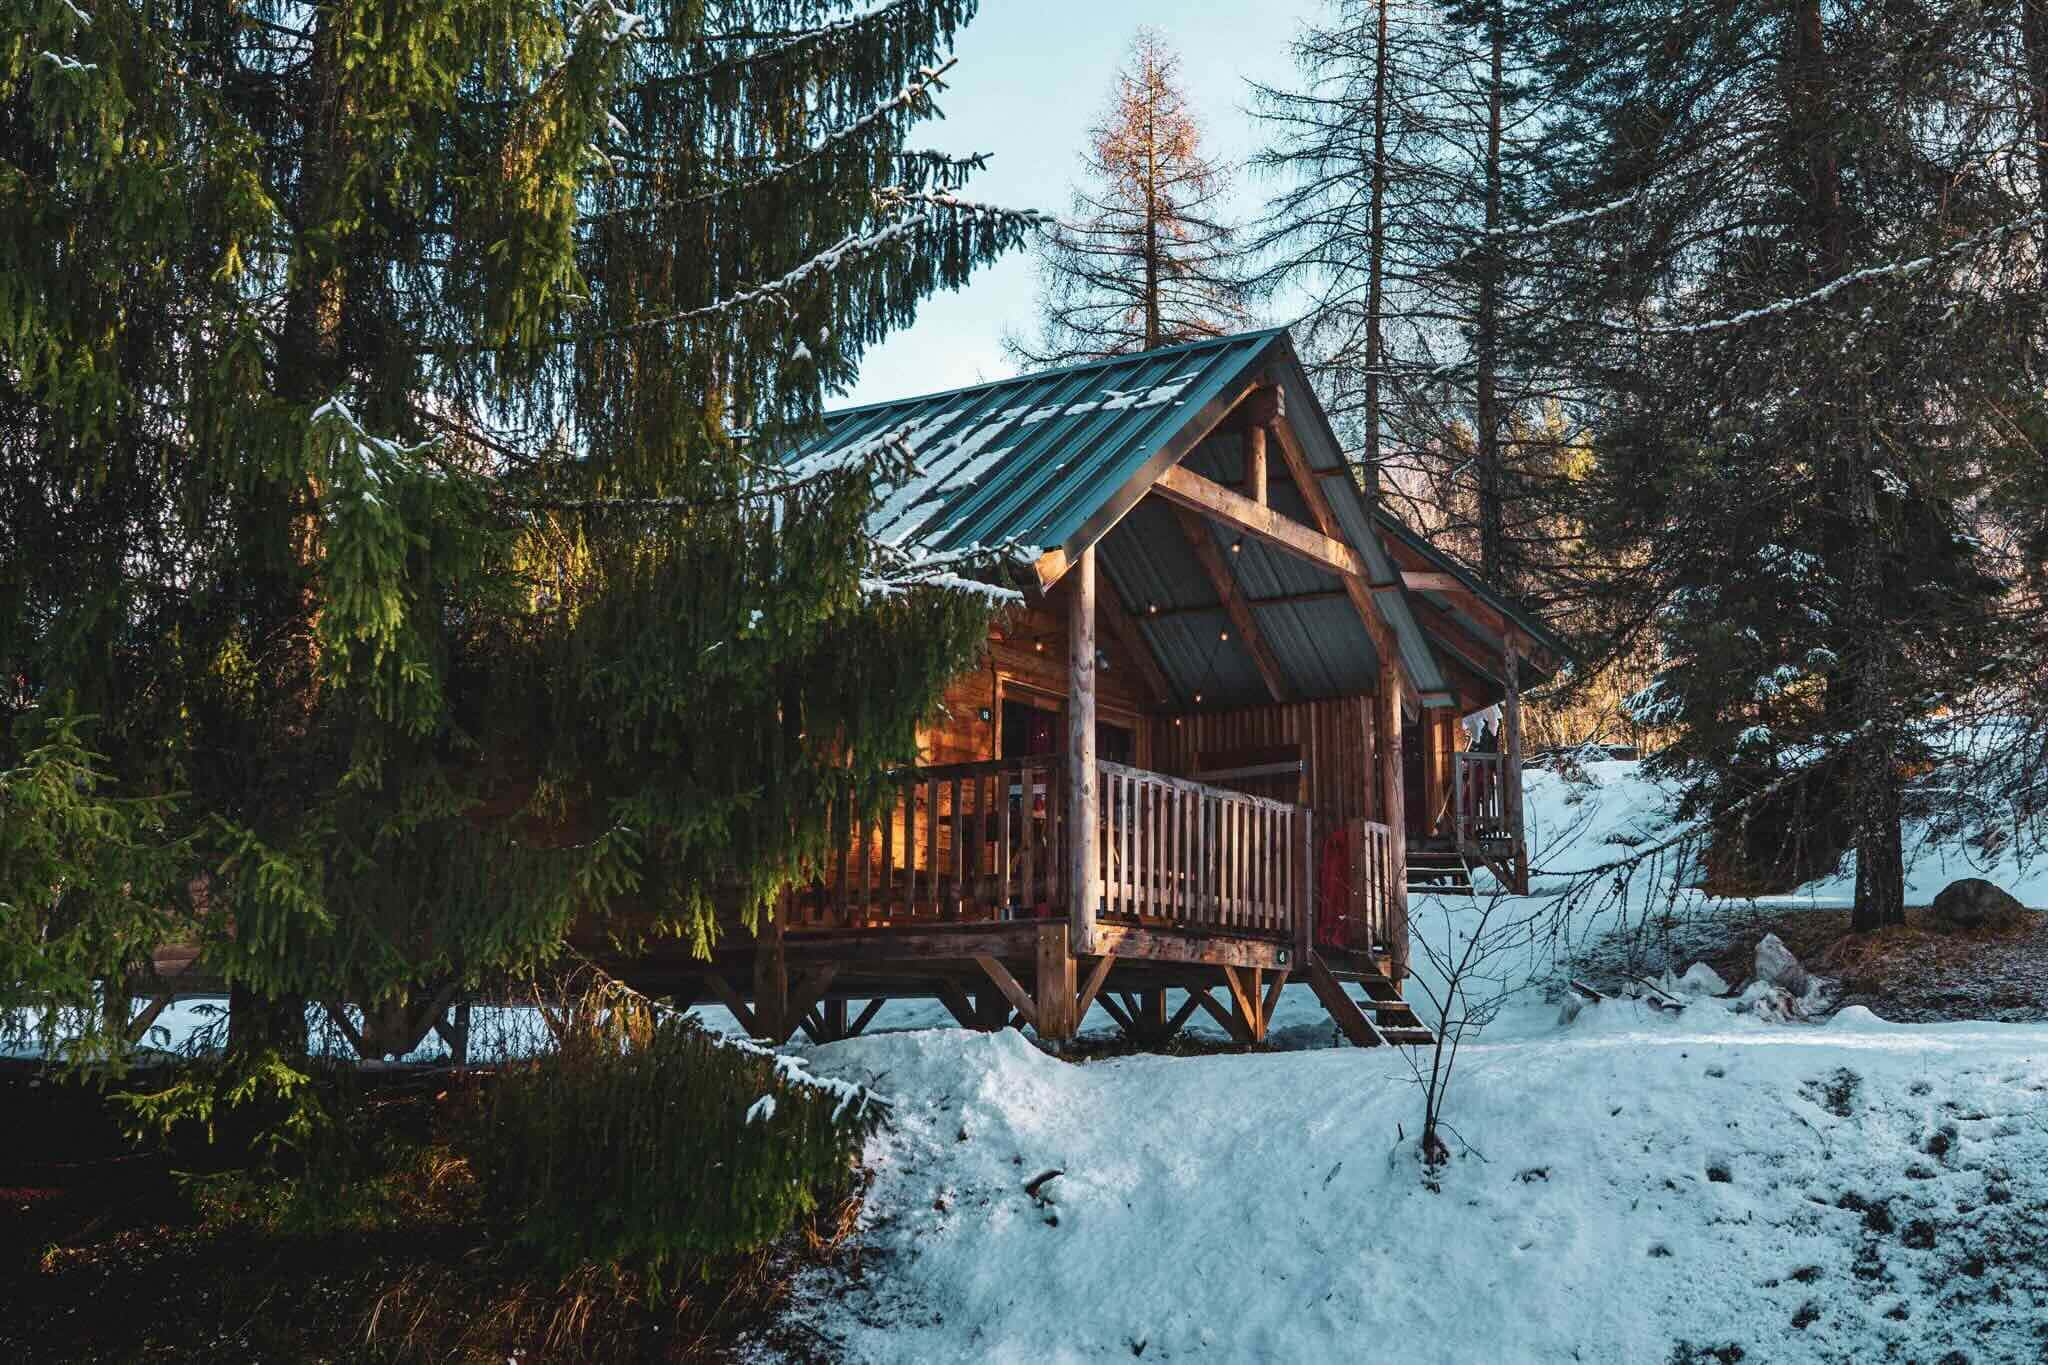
(1971, 901)
(1776, 966)
(1699, 979)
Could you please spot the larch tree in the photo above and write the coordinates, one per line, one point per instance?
(1806, 305)
(393, 566)
(1143, 260)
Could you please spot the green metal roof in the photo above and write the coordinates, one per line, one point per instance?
(1024, 462)
(1062, 460)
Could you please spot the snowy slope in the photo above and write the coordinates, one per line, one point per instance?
(1636, 1186)
(1632, 1186)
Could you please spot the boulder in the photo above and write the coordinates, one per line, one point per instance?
(1776, 966)
(1700, 979)
(1971, 902)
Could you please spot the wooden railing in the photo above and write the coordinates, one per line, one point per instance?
(1479, 792)
(1374, 917)
(1179, 854)
(986, 841)
(969, 841)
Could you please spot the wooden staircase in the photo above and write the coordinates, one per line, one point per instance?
(1438, 871)
(1381, 1018)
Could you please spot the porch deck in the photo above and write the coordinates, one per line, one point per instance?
(958, 890)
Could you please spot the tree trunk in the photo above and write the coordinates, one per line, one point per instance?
(1874, 801)
(1492, 535)
(309, 369)
(259, 1022)
(1153, 327)
(2034, 42)
(1376, 258)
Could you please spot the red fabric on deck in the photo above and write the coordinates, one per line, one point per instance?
(1333, 890)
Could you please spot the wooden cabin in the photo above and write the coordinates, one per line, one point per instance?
(1209, 751)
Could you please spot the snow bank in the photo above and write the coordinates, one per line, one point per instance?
(1635, 1189)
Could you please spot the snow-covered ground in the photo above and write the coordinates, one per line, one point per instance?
(1629, 1189)
(1632, 1185)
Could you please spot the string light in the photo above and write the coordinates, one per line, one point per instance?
(1223, 635)
(1237, 545)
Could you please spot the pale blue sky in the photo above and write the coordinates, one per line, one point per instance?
(1033, 75)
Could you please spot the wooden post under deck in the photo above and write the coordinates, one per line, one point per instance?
(1435, 763)
(1083, 812)
(1055, 985)
(771, 975)
(1393, 804)
(1511, 762)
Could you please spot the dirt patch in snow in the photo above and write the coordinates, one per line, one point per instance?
(1912, 973)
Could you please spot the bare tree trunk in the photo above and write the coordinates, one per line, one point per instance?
(1154, 329)
(1376, 258)
(1492, 535)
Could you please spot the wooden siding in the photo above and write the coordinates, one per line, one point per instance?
(1335, 738)
(1027, 652)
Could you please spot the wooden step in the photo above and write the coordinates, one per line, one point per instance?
(1409, 1037)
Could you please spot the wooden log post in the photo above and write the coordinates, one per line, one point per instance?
(1304, 854)
(991, 1010)
(1150, 1016)
(1435, 767)
(1055, 999)
(771, 980)
(1261, 410)
(1511, 760)
(1393, 801)
(1083, 781)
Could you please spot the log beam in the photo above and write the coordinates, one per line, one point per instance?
(1019, 998)
(1234, 605)
(1090, 991)
(1185, 488)
(1354, 585)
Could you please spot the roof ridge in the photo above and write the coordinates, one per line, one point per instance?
(1030, 376)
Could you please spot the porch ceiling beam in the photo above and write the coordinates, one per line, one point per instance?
(1461, 644)
(1419, 577)
(1285, 599)
(1185, 488)
(1111, 608)
(1241, 620)
(1362, 599)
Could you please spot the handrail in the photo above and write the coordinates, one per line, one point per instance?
(1480, 790)
(954, 841)
(1187, 855)
(987, 840)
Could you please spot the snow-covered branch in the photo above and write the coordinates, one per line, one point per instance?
(1856, 277)
(849, 249)
(911, 96)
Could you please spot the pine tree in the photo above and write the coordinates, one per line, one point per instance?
(1142, 261)
(1804, 304)
(384, 522)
